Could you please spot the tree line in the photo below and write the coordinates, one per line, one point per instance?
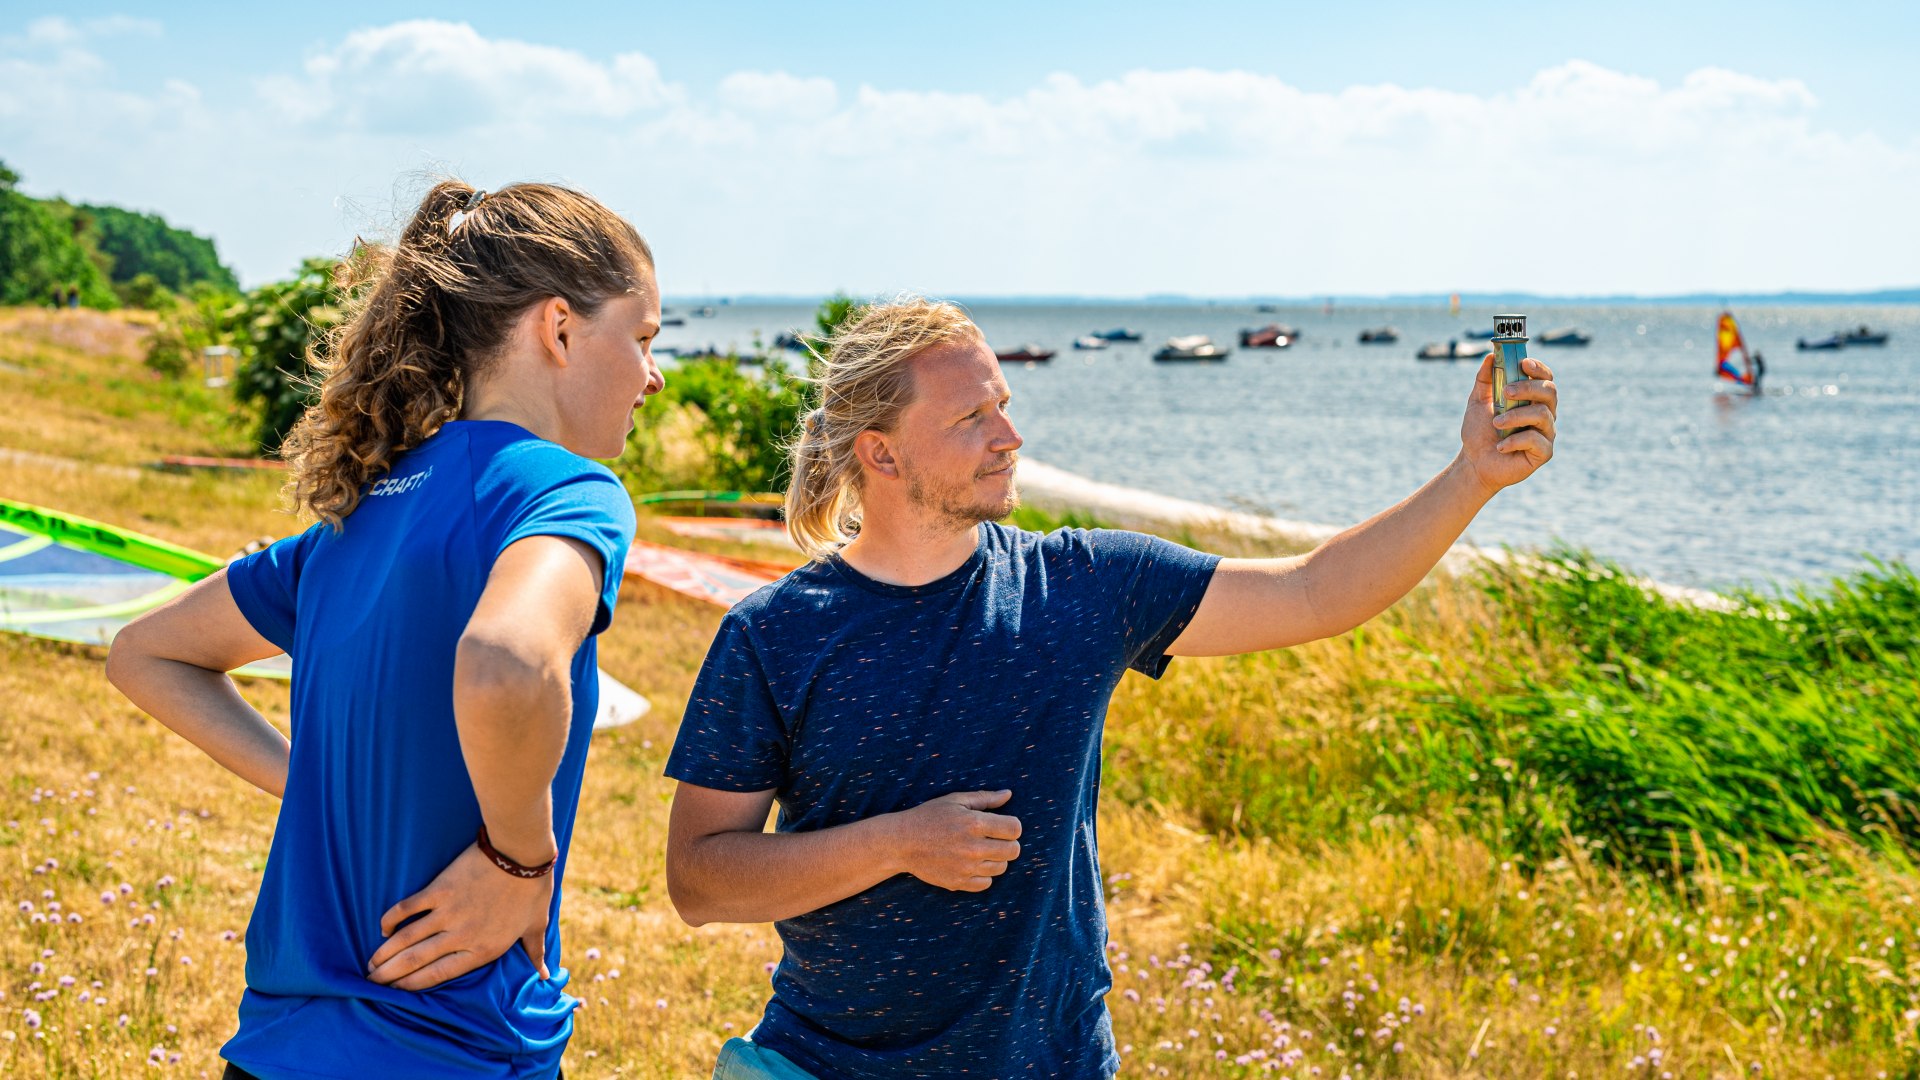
(104, 256)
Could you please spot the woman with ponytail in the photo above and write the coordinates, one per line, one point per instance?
(441, 615)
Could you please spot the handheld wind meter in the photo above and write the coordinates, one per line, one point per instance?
(1510, 337)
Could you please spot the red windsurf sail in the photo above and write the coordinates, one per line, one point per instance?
(1731, 342)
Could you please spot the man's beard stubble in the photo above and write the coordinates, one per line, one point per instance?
(956, 504)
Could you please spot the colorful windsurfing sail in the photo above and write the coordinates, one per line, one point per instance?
(1729, 342)
(755, 504)
(716, 579)
(68, 578)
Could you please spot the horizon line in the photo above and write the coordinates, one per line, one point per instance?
(1894, 295)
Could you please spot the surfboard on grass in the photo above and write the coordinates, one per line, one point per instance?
(739, 530)
(716, 579)
(183, 463)
(68, 578)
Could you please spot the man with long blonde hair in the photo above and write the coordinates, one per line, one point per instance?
(925, 701)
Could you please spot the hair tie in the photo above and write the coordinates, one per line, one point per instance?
(815, 420)
(461, 215)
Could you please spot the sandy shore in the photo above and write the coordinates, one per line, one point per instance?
(1059, 491)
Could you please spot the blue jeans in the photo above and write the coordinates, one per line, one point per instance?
(742, 1060)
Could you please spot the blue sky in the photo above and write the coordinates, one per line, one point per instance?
(1111, 149)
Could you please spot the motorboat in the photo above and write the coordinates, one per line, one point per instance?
(1118, 333)
(791, 340)
(1825, 344)
(1090, 341)
(1193, 347)
(1565, 336)
(1270, 336)
(1452, 350)
(1380, 335)
(1863, 336)
(1479, 335)
(1025, 354)
(673, 320)
(704, 312)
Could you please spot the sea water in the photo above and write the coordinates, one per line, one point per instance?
(1658, 465)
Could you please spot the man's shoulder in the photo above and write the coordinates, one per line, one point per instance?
(1068, 541)
(807, 590)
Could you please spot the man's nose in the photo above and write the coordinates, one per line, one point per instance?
(1009, 438)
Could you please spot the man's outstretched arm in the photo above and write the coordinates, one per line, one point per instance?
(722, 866)
(1255, 604)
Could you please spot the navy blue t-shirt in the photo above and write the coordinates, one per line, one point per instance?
(851, 698)
(378, 800)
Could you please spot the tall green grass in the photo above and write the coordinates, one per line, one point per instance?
(1588, 710)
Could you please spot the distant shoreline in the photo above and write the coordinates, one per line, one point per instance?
(1057, 490)
(1898, 297)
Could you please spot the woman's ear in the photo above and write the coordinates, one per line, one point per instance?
(554, 325)
(875, 454)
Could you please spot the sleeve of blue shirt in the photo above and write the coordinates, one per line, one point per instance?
(266, 584)
(588, 506)
(732, 737)
(1154, 586)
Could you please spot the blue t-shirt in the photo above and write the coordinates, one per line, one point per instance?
(851, 698)
(378, 800)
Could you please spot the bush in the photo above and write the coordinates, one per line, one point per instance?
(203, 318)
(276, 327)
(742, 420)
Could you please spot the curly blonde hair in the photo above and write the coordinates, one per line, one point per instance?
(429, 313)
(864, 380)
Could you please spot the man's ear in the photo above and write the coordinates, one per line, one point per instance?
(553, 328)
(876, 455)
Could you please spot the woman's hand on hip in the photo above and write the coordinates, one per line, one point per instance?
(469, 916)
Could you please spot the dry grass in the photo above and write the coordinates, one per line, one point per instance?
(1355, 940)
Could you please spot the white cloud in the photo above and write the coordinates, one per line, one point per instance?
(779, 94)
(1578, 178)
(425, 76)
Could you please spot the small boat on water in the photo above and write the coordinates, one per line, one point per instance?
(1565, 336)
(1479, 335)
(1380, 335)
(1825, 344)
(1452, 350)
(1025, 354)
(709, 354)
(704, 312)
(673, 320)
(791, 340)
(1118, 333)
(1863, 336)
(1090, 341)
(1192, 348)
(1265, 309)
(1270, 336)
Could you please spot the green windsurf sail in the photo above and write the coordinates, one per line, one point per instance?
(69, 578)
